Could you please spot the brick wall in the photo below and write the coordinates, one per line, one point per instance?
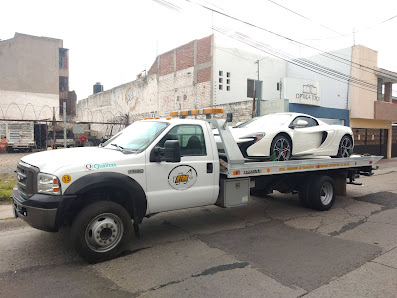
(204, 50)
(167, 63)
(185, 56)
(153, 69)
(385, 111)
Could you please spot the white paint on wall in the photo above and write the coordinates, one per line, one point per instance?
(335, 94)
(28, 106)
(302, 91)
(241, 66)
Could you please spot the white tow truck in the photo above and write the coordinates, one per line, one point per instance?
(158, 165)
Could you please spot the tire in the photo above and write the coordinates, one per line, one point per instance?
(321, 193)
(281, 148)
(110, 222)
(345, 145)
(304, 193)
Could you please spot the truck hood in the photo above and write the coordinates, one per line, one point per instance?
(51, 160)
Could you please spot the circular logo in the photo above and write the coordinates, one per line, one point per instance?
(66, 179)
(182, 177)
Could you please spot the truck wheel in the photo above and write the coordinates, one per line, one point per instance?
(304, 194)
(101, 231)
(322, 193)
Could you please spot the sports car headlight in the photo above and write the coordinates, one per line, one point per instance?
(257, 135)
(48, 184)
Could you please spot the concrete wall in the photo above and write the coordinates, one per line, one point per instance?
(178, 79)
(362, 101)
(241, 66)
(30, 64)
(28, 105)
(334, 94)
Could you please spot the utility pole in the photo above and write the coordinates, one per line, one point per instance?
(255, 105)
(64, 124)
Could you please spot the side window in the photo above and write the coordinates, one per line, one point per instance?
(190, 137)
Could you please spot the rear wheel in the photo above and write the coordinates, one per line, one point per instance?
(101, 231)
(281, 148)
(321, 193)
(345, 146)
(304, 193)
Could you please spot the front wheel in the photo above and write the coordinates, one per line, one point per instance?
(101, 231)
(281, 148)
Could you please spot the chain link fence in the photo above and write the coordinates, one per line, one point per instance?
(21, 137)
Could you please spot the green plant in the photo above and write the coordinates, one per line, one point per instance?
(7, 183)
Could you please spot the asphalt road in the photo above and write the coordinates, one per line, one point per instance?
(272, 247)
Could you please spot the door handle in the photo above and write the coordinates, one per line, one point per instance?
(210, 167)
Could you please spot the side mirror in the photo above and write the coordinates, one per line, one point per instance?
(229, 117)
(172, 151)
(301, 123)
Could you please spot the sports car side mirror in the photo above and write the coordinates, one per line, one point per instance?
(299, 123)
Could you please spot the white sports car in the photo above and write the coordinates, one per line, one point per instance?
(283, 135)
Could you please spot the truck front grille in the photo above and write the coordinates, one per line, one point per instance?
(27, 180)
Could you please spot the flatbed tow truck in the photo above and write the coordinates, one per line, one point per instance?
(158, 165)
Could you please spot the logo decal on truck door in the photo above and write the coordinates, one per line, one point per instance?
(182, 177)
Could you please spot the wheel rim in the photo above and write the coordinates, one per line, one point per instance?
(327, 193)
(104, 232)
(345, 146)
(282, 149)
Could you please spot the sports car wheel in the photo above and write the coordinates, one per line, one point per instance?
(281, 148)
(345, 146)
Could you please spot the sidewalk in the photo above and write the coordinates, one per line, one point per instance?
(6, 211)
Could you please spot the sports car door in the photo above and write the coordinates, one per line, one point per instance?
(306, 138)
(188, 183)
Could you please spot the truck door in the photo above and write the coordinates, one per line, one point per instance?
(194, 181)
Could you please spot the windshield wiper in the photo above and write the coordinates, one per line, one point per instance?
(118, 147)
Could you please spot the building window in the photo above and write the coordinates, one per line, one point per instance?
(228, 74)
(63, 84)
(220, 73)
(228, 81)
(220, 80)
(220, 87)
(228, 88)
(250, 88)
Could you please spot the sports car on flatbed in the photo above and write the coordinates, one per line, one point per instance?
(280, 136)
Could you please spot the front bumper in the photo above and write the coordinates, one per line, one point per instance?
(41, 211)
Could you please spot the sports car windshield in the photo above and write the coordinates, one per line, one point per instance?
(267, 120)
(137, 136)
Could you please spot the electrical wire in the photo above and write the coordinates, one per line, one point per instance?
(304, 62)
(323, 53)
(302, 16)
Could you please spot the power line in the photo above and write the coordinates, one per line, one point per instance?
(359, 31)
(325, 54)
(263, 48)
(302, 16)
(317, 68)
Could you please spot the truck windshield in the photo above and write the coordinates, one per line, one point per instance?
(137, 136)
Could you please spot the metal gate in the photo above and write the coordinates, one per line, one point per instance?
(370, 141)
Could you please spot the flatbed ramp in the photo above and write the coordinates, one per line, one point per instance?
(249, 169)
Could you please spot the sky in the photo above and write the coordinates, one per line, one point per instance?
(113, 41)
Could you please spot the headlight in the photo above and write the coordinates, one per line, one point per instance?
(257, 135)
(48, 184)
